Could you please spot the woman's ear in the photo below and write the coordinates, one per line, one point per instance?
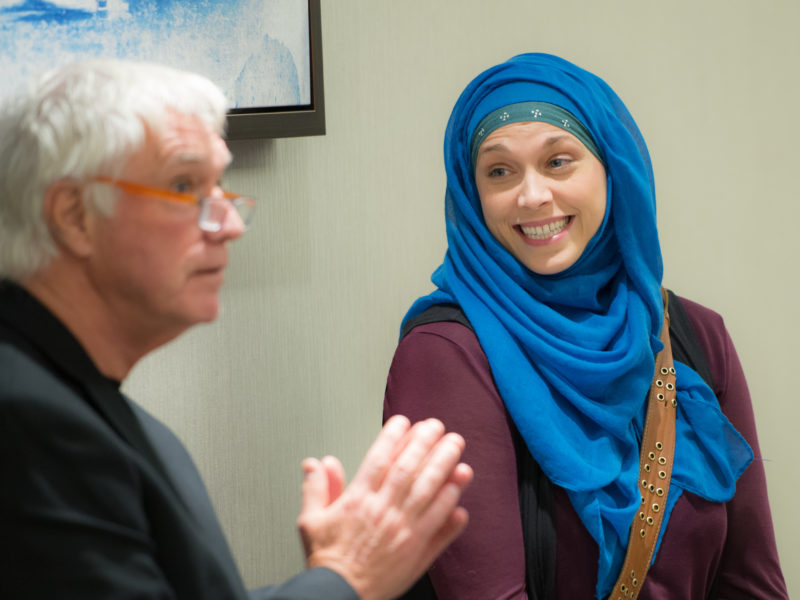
(67, 218)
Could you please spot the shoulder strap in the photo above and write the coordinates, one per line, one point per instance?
(436, 314)
(686, 347)
(538, 523)
(655, 469)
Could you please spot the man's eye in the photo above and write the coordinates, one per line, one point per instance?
(182, 186)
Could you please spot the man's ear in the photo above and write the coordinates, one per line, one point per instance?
(67, 217)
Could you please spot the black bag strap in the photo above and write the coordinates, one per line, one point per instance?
(539, 538)
(436, 314)
(535, 489)
(685, 345)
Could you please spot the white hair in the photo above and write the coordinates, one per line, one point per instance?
(79, 121)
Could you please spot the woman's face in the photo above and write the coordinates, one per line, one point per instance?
(543, 194)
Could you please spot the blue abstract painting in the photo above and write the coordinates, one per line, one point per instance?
(257, 51)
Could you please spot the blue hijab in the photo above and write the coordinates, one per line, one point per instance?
(573, 354)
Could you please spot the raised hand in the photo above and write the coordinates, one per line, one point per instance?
(385, 529)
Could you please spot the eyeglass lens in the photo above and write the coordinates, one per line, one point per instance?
(214, 211)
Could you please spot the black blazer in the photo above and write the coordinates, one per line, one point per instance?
(98, 499)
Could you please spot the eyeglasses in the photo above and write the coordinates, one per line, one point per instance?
(213, 209)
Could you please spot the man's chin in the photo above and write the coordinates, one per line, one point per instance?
(206, 311)
(209, 314)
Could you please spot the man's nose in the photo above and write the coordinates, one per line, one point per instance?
(231, 225)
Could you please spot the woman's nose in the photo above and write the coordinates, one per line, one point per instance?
(534, 191)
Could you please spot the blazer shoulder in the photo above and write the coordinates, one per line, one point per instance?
(25, 382)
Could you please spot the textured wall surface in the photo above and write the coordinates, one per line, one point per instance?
(350, 225)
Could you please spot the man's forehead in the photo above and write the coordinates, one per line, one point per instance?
(187, 140)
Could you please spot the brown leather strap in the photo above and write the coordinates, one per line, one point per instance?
(655, 470)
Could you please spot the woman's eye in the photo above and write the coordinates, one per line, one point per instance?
(498, 172)
(559, 162)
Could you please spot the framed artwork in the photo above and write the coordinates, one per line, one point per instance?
(266, 55)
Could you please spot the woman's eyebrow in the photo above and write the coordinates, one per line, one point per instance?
(492, 148)
(557, 137)
(551, 140)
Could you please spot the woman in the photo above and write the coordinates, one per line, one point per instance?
(539, 347)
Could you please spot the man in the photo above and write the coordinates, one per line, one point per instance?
(113, 241)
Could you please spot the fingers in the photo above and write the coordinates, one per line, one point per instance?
(439, 468)
(397, 515)
(462, 475)
(379, 457)
(315, 486)
(336, 477)
(415, 460)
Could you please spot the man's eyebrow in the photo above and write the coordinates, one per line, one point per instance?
(188, 157)
(192, 158)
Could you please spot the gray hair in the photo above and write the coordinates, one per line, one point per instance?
(79, 121)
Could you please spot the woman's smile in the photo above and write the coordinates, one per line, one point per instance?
(537, 234)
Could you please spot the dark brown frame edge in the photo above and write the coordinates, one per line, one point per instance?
(292, 121)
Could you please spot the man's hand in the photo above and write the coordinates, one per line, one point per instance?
(384, 530)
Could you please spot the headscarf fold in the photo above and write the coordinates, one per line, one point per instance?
(573, 353)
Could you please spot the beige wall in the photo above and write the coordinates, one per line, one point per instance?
(350, 227)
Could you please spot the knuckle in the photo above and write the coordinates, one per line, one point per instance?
(352, 503)
(404, 471)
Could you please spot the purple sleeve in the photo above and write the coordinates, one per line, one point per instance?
(439, 370)
(749, 567)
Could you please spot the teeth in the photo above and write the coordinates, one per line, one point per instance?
(542, 232)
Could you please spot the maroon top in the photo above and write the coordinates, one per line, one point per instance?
(439, 370)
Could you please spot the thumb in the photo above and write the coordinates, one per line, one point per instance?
(316, 494)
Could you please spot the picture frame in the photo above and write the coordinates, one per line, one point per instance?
(266, 55)
(288, 121)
